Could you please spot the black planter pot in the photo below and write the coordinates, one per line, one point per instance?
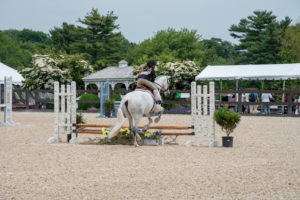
(108, 114)
(227, 141)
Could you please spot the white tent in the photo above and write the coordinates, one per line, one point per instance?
(250, 72)
(8, 71)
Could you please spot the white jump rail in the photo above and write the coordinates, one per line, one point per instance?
(202, 110)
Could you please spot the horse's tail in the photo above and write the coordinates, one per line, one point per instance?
(120, 115)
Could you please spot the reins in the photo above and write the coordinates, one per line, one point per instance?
(160, 87)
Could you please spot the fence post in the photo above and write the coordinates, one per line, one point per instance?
(36, 99)
(289, 111)
(239, 106)
(27, 98)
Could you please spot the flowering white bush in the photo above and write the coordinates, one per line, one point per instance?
(46, 69)
(182, 73)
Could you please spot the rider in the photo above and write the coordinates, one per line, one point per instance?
(147, 77)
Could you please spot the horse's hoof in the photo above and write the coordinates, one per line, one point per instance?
(136, 145)
(156, 120)
(146, 127)
(139, 139)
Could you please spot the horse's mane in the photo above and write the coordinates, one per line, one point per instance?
(161, 76)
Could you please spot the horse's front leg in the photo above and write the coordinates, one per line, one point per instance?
(149, 121)
(160, 110)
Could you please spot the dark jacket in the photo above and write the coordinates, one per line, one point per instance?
(148, 75)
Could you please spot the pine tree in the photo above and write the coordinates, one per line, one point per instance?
(260, 38)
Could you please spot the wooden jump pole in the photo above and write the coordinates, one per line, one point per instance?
(93, 131)
(140, 127)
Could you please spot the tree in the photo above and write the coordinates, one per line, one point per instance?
(62, 38)
(27, 35)
(171, 46)
(260, 38)
(224, 52)
(56, 67)
(22, 45)
(290, 49)
(11, 54)
(98, 40)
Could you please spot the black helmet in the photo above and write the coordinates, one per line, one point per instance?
(151, 63)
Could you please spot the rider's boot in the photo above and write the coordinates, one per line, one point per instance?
(157, 97)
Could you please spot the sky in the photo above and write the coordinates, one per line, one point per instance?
(141, 19)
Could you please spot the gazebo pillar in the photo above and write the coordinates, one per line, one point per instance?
(112, 84)
(127, 85)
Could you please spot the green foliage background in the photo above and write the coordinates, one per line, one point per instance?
(262, 39)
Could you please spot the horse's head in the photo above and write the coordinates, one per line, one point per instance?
(163, 83)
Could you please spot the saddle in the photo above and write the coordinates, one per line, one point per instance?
(145, 89)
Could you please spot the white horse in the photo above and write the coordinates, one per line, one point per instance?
(138, 103)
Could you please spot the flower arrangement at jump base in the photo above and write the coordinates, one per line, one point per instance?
(123, 131)
(149, 137)
(152, 137)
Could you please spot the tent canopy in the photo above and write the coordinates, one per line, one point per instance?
(8, 71)
(250, 72)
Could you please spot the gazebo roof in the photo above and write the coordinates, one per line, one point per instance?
(120, 73)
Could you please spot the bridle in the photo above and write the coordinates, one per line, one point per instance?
(161, 88)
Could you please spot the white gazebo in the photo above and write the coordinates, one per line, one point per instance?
(7, 71)
(115, 74)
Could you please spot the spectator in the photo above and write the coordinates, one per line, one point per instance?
(253, 97)
(265, 97)
(232, 99)
(297, 100)
(245, 98)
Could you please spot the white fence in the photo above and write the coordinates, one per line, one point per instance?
(6, 105)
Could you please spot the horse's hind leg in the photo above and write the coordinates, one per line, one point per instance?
(137, 119)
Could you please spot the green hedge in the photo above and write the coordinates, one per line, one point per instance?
(86, 106)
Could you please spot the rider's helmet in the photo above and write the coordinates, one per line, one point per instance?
(151, 63)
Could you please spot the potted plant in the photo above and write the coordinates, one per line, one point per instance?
(109, 105)
(228, 120)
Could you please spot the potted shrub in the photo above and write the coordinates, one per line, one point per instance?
(228, 120)
(109, 105)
